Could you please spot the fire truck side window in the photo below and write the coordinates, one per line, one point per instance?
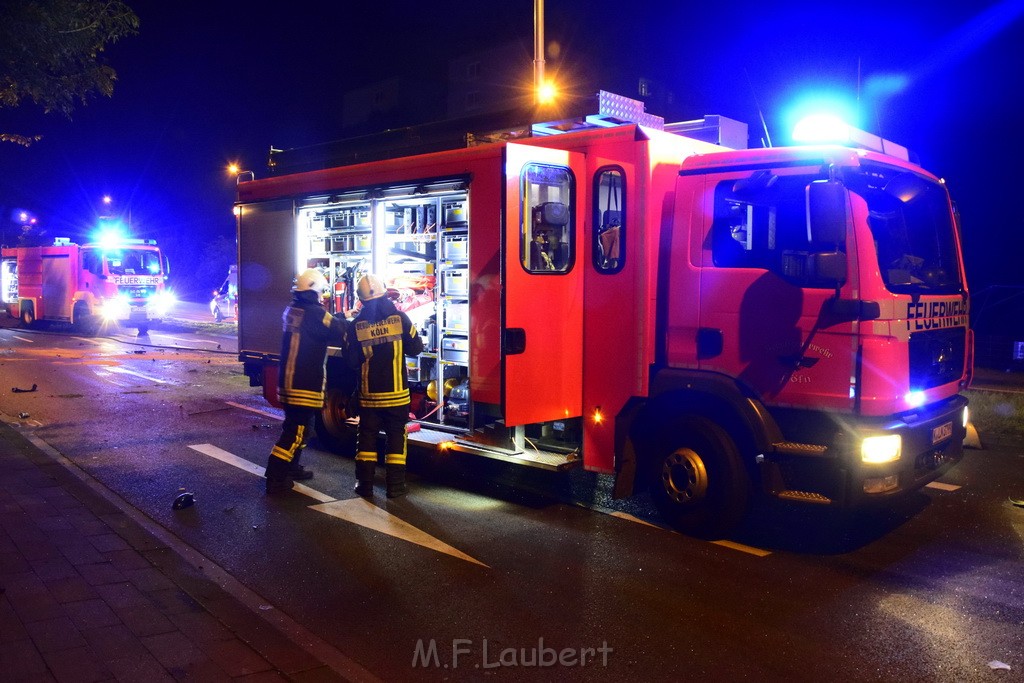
(546, 233)
(758, 220)
(92, 262)
(609, 220)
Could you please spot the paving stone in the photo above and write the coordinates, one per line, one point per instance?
(54, 635)
(235, 657)
(101, 573)
(174, 601)
(320, 674)
(200, 627)
(52, 524)
(141, 668)
(107, 542)
(145, 621)
(80, 552)
(115, 642)
(127, 560)
(77, 666)
(91, 613)
(11, 628)
(121, 595)
(149, 579)
(88, 524)
(70, 589)
(270, 676)
(53, 568)
(31, 600)
(11, 562)
(173, 650)
(21, 661)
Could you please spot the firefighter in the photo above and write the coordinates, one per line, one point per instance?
(308, 330)
(383, 336)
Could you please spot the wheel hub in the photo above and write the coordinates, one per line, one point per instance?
(684, 476)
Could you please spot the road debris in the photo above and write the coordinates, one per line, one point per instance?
(23, 416)
(184, 500)
(996, 664)
(16, 390)
(1016, 501)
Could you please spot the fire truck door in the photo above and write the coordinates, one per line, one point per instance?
(542, 344)
(267, 264)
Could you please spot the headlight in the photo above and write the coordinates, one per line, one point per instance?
(877, 449)
(162, 302)
(116, 307)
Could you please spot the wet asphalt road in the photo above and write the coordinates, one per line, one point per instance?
(484, 571)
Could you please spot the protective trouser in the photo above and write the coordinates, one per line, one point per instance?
(392, 421)
(297, 426)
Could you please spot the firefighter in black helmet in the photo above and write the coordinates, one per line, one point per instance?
(383, 336)
(308, 330)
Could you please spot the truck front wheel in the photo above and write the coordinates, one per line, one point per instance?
(697, 478)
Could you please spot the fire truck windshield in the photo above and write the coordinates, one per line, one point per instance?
(912, 225)
(132, 262)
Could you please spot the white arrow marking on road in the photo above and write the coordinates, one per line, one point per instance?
(365, 513)
(357, 510)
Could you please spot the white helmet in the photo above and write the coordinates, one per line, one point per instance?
(310, 279)
(370, 287)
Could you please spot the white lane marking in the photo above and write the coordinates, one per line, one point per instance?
(125, 371)
(631, 518)
(358, 511)
(254, 410)
(87, 339)
(941, 487)
(749, 549)
(24, 339)
(365, 513)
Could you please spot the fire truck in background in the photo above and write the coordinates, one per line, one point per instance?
(701, 322)
(90, 285)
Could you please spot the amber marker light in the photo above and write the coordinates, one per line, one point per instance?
(598, 416)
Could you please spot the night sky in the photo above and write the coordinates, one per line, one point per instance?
(205, 83)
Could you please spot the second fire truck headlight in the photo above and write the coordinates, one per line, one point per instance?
(116, 308)
(162, 302)
(879, 449)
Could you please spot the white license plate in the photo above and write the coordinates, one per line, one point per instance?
(942, 432)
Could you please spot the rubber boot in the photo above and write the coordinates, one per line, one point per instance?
(396, 480)
(364, 478)
(278, 480)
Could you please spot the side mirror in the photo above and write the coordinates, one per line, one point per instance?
(827, 202)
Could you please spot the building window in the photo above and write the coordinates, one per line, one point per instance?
(472, 71)
(546, 226)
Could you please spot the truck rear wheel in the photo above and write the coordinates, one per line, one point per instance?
(28, 314)
(697, 478)
(333, 431)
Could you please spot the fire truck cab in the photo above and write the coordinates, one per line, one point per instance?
(698, 321)
(87, 285)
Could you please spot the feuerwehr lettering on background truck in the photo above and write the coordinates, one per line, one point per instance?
(699, 321)
(90, 285)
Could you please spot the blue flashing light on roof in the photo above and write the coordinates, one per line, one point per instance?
(831, 129)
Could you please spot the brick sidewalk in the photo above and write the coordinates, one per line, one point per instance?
(88, 594)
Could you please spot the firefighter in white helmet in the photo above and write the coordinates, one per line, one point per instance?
(383, 336)
(308, 330)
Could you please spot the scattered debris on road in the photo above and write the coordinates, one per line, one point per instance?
(16, 390)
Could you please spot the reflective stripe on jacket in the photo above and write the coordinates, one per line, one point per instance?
(308, 330)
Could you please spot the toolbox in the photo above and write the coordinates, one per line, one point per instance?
(455, 349)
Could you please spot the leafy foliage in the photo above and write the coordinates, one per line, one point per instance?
(50, 53)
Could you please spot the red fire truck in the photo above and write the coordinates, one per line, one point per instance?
(701, 322)
(123, 280)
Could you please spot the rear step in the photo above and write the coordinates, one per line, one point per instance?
(437, 441)
(804, 497)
